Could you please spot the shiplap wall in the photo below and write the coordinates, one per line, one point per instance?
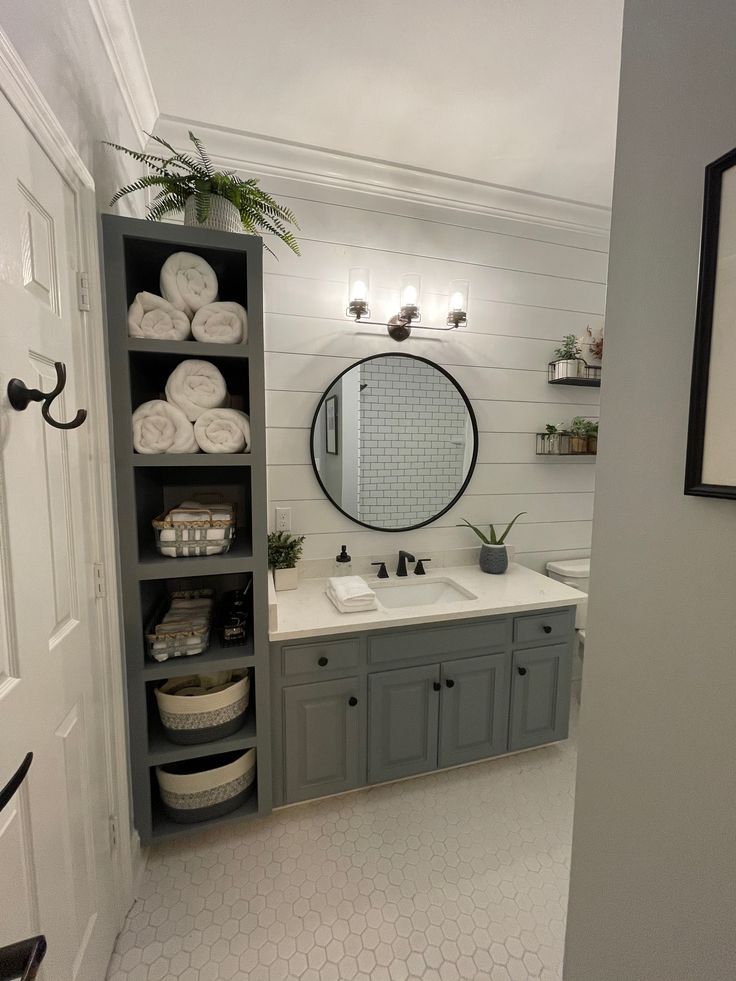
(530, 284)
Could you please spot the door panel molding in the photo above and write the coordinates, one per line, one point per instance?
(21, 91)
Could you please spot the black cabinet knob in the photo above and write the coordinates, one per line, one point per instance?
(436, 686)
(450, 683)
(547, 629)
(521, 671)
(322, 661)
(352, 701)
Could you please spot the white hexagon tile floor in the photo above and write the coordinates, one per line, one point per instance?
(461, 874)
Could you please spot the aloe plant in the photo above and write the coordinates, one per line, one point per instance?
(182, 176)
(492, 538)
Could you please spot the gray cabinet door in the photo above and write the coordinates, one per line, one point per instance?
(403, 722)
(324, 738)
(540, 695)
(474, 709)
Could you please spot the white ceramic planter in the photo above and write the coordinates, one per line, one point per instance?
(223, 215)
(569, 368)
(285, 578)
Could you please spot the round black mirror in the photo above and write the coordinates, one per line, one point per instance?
(394, 442)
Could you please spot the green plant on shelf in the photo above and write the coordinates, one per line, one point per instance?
(493, 538)
(569, 349)
(284, 550)
(182, 176)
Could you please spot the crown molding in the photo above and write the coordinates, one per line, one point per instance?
(269, 157)
(114, 20)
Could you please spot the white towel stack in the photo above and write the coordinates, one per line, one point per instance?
(351, 594)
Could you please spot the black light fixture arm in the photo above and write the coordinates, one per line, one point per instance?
(20, 396)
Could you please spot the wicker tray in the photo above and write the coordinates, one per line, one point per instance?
(184, 537)
(180, 637)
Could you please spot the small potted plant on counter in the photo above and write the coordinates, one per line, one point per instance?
(592, 436)
(284, 551)
(494, 556)
(567, 362)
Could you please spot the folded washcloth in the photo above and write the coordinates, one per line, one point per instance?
(188, 281)
(222, 322)
(159, 427)
(352, 607)
(223, 431)
(195, 386)
(351, 590)
(153, 317)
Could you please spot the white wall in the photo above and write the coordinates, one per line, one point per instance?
(530, 284)
(63, 45)
(654, 843)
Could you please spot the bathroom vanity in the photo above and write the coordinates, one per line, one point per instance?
(449, 677)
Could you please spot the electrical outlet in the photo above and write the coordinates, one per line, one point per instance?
(283, 519)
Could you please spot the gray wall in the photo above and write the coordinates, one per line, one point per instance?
(654, 847)
(61, 46)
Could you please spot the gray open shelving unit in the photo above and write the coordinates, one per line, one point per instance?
(133, 252)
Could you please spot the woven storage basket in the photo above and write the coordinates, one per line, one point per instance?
(197, 536)
(191, 713)
(202, 789)
(178, 635)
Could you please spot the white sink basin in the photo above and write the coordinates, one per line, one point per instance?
(425, 592)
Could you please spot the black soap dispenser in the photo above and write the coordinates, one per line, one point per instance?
(343, 562)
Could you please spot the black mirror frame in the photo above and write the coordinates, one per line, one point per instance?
(473, 421)
(694, 484)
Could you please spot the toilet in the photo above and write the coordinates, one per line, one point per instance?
(575, 573)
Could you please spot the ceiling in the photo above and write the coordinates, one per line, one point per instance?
(515, 92)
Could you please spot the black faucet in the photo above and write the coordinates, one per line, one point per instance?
(403, 557)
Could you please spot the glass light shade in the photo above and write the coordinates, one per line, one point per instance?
(410, 288)
(359, 281)
(457, 304)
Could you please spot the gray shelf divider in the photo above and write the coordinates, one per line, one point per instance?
(131, 252)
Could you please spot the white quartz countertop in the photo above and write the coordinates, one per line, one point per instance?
(307, 612)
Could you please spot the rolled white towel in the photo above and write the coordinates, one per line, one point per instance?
(351, 607)
(222, 322)
(195, 386)
(351, 590)
(153, 317)
(223, 431)
(159, 427)
(188, 281)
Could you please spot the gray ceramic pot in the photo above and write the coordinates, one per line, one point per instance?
(494, 559)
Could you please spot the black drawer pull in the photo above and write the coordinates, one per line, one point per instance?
(436, 686)
(547, 629)
(322, 661)
(450, 683)
(521, 671)
(352, 701)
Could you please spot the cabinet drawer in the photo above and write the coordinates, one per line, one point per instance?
(438, 641)
(543, 627)
(320, 658)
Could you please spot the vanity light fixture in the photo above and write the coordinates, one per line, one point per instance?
(399, 326)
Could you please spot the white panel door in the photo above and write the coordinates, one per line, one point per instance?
(56, 868)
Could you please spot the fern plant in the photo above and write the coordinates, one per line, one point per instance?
(493, 538)
(183, 175)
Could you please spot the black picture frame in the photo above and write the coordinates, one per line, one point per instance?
(332, 438)
(703, 346)
(473, 422)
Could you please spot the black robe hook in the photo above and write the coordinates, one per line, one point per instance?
(19, 396)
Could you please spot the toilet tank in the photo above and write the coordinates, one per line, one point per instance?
(575, 573)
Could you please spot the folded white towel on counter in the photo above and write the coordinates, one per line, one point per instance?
(222, 322)
(159, 427)
(188, 281)
(195, 386)
(154, 317)
(223, 431)
(353, 606)
(351, 590)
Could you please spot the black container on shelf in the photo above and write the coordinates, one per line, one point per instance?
(233, 621)
(574, 371)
